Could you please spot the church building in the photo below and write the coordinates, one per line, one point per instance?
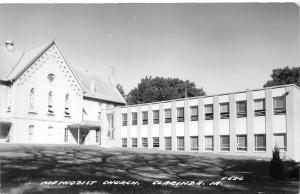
(44, 99)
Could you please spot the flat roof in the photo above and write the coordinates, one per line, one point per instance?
(221, 94)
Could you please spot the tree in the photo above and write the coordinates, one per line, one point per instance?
(121, 90)
(158, 89)
(283, 76)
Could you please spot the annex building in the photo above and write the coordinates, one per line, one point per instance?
(45, 99)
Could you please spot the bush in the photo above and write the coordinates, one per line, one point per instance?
(277, 170)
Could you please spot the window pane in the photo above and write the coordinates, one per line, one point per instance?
(224, 107)
(241, 142)
(155, 142)
(241, 106)
(124, 142)
(209, 144)
(260, 142)
(209, 108)
(168, 143)
(180, 143)
(155, 114)
(280, 141)
(259, 104)
(194, 110)
(224, 143)
(168, 113)
(194, 143)
(279, 102)
(145, 142)
(134, 142)
(180, 112)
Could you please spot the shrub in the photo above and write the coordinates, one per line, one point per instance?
(277, 170)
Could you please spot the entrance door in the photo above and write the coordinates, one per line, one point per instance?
(82, 135)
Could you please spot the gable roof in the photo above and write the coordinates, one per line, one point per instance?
(14, 63)
(104, 89)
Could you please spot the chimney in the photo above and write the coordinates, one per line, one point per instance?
(112, 75)
(9, 45)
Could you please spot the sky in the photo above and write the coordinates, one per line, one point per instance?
(222, 47)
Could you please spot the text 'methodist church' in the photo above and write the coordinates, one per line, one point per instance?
(46, 100)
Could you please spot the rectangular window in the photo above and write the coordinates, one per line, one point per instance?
(180, 143)
(99, 116)
(124, 142)
(194, 144)
(224, 110)
(66, 134)
(241, 109)
(194, 113)
(98, 136)
(168, 143)
(134, 118)
(124, 119)
(110, 121)
(168, 116)
(156, 142)
(224, 143)
(145, 142)
(260, 142)
(134, 142)
(145, 117)
(156, 116)
(259, 107)
(209, 143)
(209, 112)
(241, 142)
(50, 129)
(280, 141)
(180, 114)
(279, 105)
(30, 132)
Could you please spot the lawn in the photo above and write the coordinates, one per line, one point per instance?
(63, 169)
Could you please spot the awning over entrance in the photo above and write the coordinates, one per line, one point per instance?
(86, 125)
(81, 130)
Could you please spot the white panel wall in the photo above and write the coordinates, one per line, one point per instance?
(144, 108)
(279, 123)
(124, 110)
(240, 96)
(259, 94)
(167, 129)
(180, 129)
(155, 130)
(166, 105)
(208, 127)
(259, 125)
(241, 125)
(144, 130)
(208, 100)
(133, 109)
(193, 128)
(124, 131)
(133, 131)
(155, 107)
(224, 98)
(180, 103)
(278, 92)
(193, 102)
(224, 126)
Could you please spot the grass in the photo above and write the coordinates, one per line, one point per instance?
(25, 167)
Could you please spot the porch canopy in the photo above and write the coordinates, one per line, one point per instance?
(86, 125)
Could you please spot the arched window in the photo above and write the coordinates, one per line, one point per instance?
(32, 98)
(67, 105)
(50, 99)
